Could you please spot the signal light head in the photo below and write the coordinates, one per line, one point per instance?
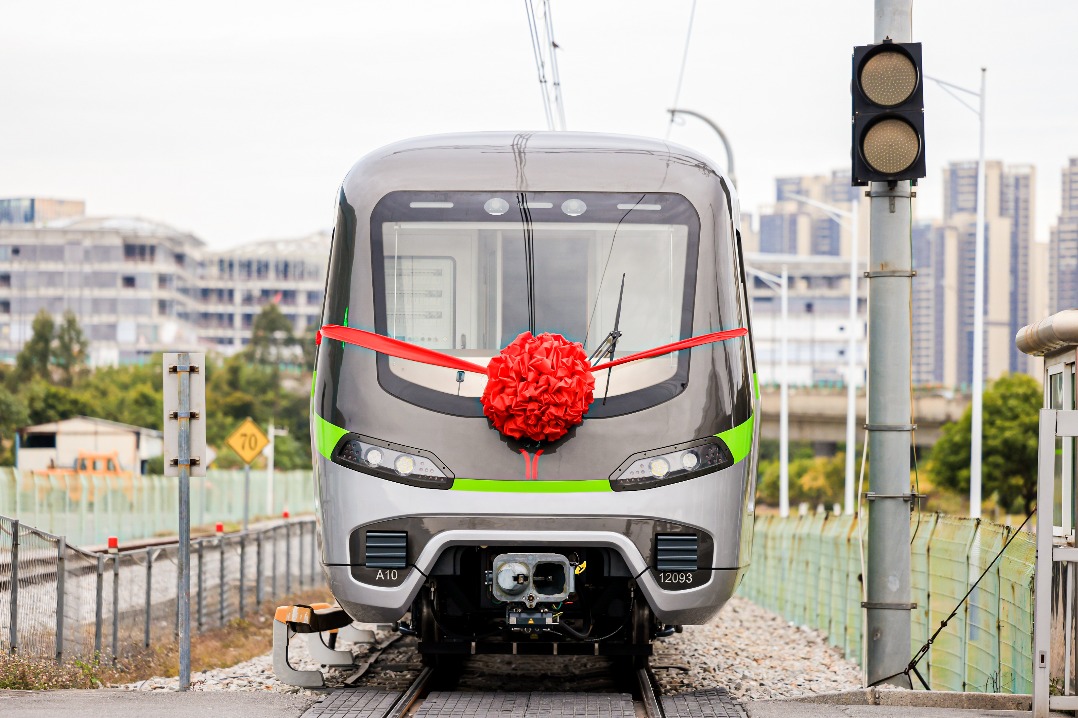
(891, 146)
(888, 78)
(888, 113)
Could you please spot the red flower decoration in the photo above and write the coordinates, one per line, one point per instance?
(538, 387)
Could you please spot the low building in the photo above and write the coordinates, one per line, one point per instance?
(58, 444)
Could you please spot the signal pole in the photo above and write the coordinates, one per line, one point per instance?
(887, 605)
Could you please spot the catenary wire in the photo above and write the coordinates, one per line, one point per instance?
(533, 32)
(554, 74)
(681, 73)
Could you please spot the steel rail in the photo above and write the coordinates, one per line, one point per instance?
(649, 693)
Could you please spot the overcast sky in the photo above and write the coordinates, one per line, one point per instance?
(237, 120)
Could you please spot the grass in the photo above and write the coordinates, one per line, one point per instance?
(240, 640)
(38, 674)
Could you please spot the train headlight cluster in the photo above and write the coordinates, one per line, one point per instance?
(671, 464)
(395, 462)
(888, 113)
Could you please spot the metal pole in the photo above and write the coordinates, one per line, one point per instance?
(784, 402)
(288, 559)
(13, 622)
(314, 552)
(99, 608)
(115, 606)
(978, 331)
(183, 594)
(851, 366)
(149, 598)
(201, 604)
(243, 572)
(246, 494)
(221, 594)
(887, 620)
(269, 472)
(719, 132)
(258, 569)
(273, 547)
(61, 571)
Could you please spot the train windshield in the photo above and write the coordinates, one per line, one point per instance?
(466, 273)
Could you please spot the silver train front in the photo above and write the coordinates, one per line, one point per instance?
(715, 394)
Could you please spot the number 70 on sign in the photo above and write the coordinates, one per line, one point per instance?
(247, 440)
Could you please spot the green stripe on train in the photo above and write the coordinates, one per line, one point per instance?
(326, 436)
(739, 439)
(533, 487)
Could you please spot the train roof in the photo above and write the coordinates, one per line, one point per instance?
(538, 162)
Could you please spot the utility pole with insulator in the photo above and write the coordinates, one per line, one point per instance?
(888, 156)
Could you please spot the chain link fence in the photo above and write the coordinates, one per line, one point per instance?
(59, 601)
(808, 569)
(87, 509)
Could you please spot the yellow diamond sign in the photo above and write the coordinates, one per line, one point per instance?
(247, 441)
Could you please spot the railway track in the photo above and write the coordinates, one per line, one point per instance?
(533, 687)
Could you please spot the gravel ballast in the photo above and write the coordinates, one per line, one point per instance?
(752, 652)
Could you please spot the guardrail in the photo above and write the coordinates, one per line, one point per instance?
(808, 569)
(59, 601)
(88, 509)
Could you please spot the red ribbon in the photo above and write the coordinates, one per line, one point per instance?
(539, 387)
(404, 350)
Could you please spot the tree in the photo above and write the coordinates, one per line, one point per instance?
(36, 354)
(13, 414)
(1009, 451)
(271, 337)
(70, 349)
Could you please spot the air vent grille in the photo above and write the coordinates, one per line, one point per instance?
(387, 549)
(676, 552)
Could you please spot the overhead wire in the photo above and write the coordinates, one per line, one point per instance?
(681, 73)
(555, 76)
(540, 66)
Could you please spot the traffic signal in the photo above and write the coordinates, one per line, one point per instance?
(888, 113)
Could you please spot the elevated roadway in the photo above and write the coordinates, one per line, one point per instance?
(818, 416)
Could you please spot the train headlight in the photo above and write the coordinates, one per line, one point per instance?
(403, 464)
(671, 464)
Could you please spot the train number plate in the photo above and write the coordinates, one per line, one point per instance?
(681, 580)
(380, 576)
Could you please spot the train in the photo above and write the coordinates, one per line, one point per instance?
(534, 407)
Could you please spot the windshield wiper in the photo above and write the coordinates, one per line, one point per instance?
(610, 344)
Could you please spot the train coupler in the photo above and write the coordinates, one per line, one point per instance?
(322, 624)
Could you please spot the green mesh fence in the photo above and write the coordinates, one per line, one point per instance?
(808, 569)
(88, 509)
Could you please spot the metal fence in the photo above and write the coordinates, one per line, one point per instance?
(88, 509)
(808, 569)
(59, 601)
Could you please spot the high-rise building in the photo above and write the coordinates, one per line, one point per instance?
(935, 315)
(794, 227)
(1018, 202)
(946, 309)
(1063, 246)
